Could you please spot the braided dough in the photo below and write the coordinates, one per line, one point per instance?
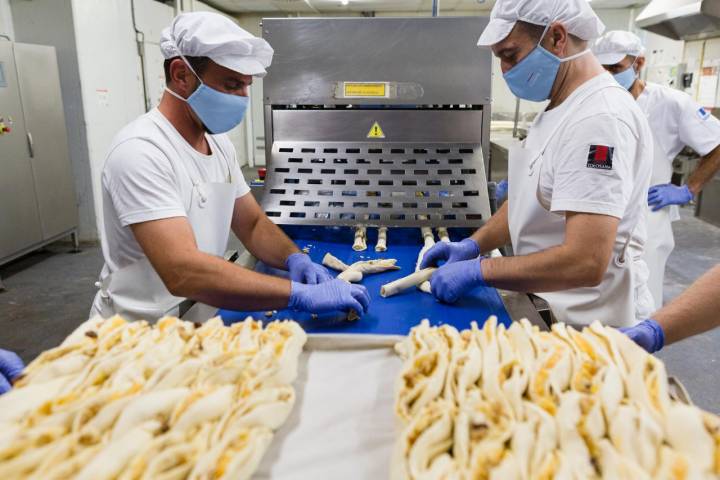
(126, 401)
(518, 403)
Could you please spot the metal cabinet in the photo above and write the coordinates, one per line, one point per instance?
(37, 194)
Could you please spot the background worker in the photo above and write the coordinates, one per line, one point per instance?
(676, 121)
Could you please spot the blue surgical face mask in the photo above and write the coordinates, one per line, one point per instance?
(219, 112)
(534, 76)
(627, 78)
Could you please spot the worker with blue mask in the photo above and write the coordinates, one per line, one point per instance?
(576, 212)
(676, 121)
(172, 191)
(11, 367)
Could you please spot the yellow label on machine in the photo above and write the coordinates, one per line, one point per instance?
(365, 90)
(376, 131)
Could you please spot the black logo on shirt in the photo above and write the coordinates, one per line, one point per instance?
(600, 157)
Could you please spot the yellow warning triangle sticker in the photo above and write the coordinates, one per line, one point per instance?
(376, 131)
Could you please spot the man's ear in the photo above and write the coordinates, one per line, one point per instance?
(557, 38)
(182, 77)
(639, 64)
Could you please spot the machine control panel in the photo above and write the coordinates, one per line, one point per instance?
(6, 124)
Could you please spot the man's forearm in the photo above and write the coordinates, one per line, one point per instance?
(214, 281)
(495, 233)
(269, 244)
(550, 270)
(706, 170)
(696, 311)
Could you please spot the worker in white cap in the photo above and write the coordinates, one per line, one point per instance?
(575, 213)
(676, 121)
(172, 191)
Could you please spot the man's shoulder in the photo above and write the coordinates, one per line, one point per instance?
(138, 148)
(610, 105)
(143, 127)
(666, 99)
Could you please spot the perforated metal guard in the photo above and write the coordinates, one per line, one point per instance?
(390, 184)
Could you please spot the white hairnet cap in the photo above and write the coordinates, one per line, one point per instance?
(576, 15)
(614, 46)
(207, 34)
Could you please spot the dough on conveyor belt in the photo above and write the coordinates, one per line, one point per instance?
(130, 400)
(360, 243)
(381, 245)
(354, 273)
(519, 403)
(413, 280)
(428, 243)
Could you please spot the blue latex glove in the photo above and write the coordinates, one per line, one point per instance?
(501, 191)
(335, 295)
(11, 366)
(648, 334)
(451, 281)
(451, 252)
(660, 196)
(303, 270)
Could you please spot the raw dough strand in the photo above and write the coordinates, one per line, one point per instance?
(413, 280)
(360, 244)
(443, 234)
(381, 245)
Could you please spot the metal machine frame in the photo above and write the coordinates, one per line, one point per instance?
(380, 122)
(377, 121)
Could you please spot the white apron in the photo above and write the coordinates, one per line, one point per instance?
(534, 228)
(660, 241)
(136, 291)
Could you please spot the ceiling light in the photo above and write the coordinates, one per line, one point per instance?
(344, 3)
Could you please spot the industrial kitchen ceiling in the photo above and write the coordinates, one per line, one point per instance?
(400, 6)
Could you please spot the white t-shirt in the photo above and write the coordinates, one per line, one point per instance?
(143, 180)
(599, 161)
(676, 121)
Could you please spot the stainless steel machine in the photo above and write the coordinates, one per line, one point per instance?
(37, 193)
(380, 122)
(377, 121)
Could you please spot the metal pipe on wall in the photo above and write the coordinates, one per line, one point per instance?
(436, 8)
(140, 41)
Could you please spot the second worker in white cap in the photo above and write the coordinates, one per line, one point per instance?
(172, 192)
(676, 121)
(576, 209)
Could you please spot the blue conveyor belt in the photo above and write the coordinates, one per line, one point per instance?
(386, 316)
